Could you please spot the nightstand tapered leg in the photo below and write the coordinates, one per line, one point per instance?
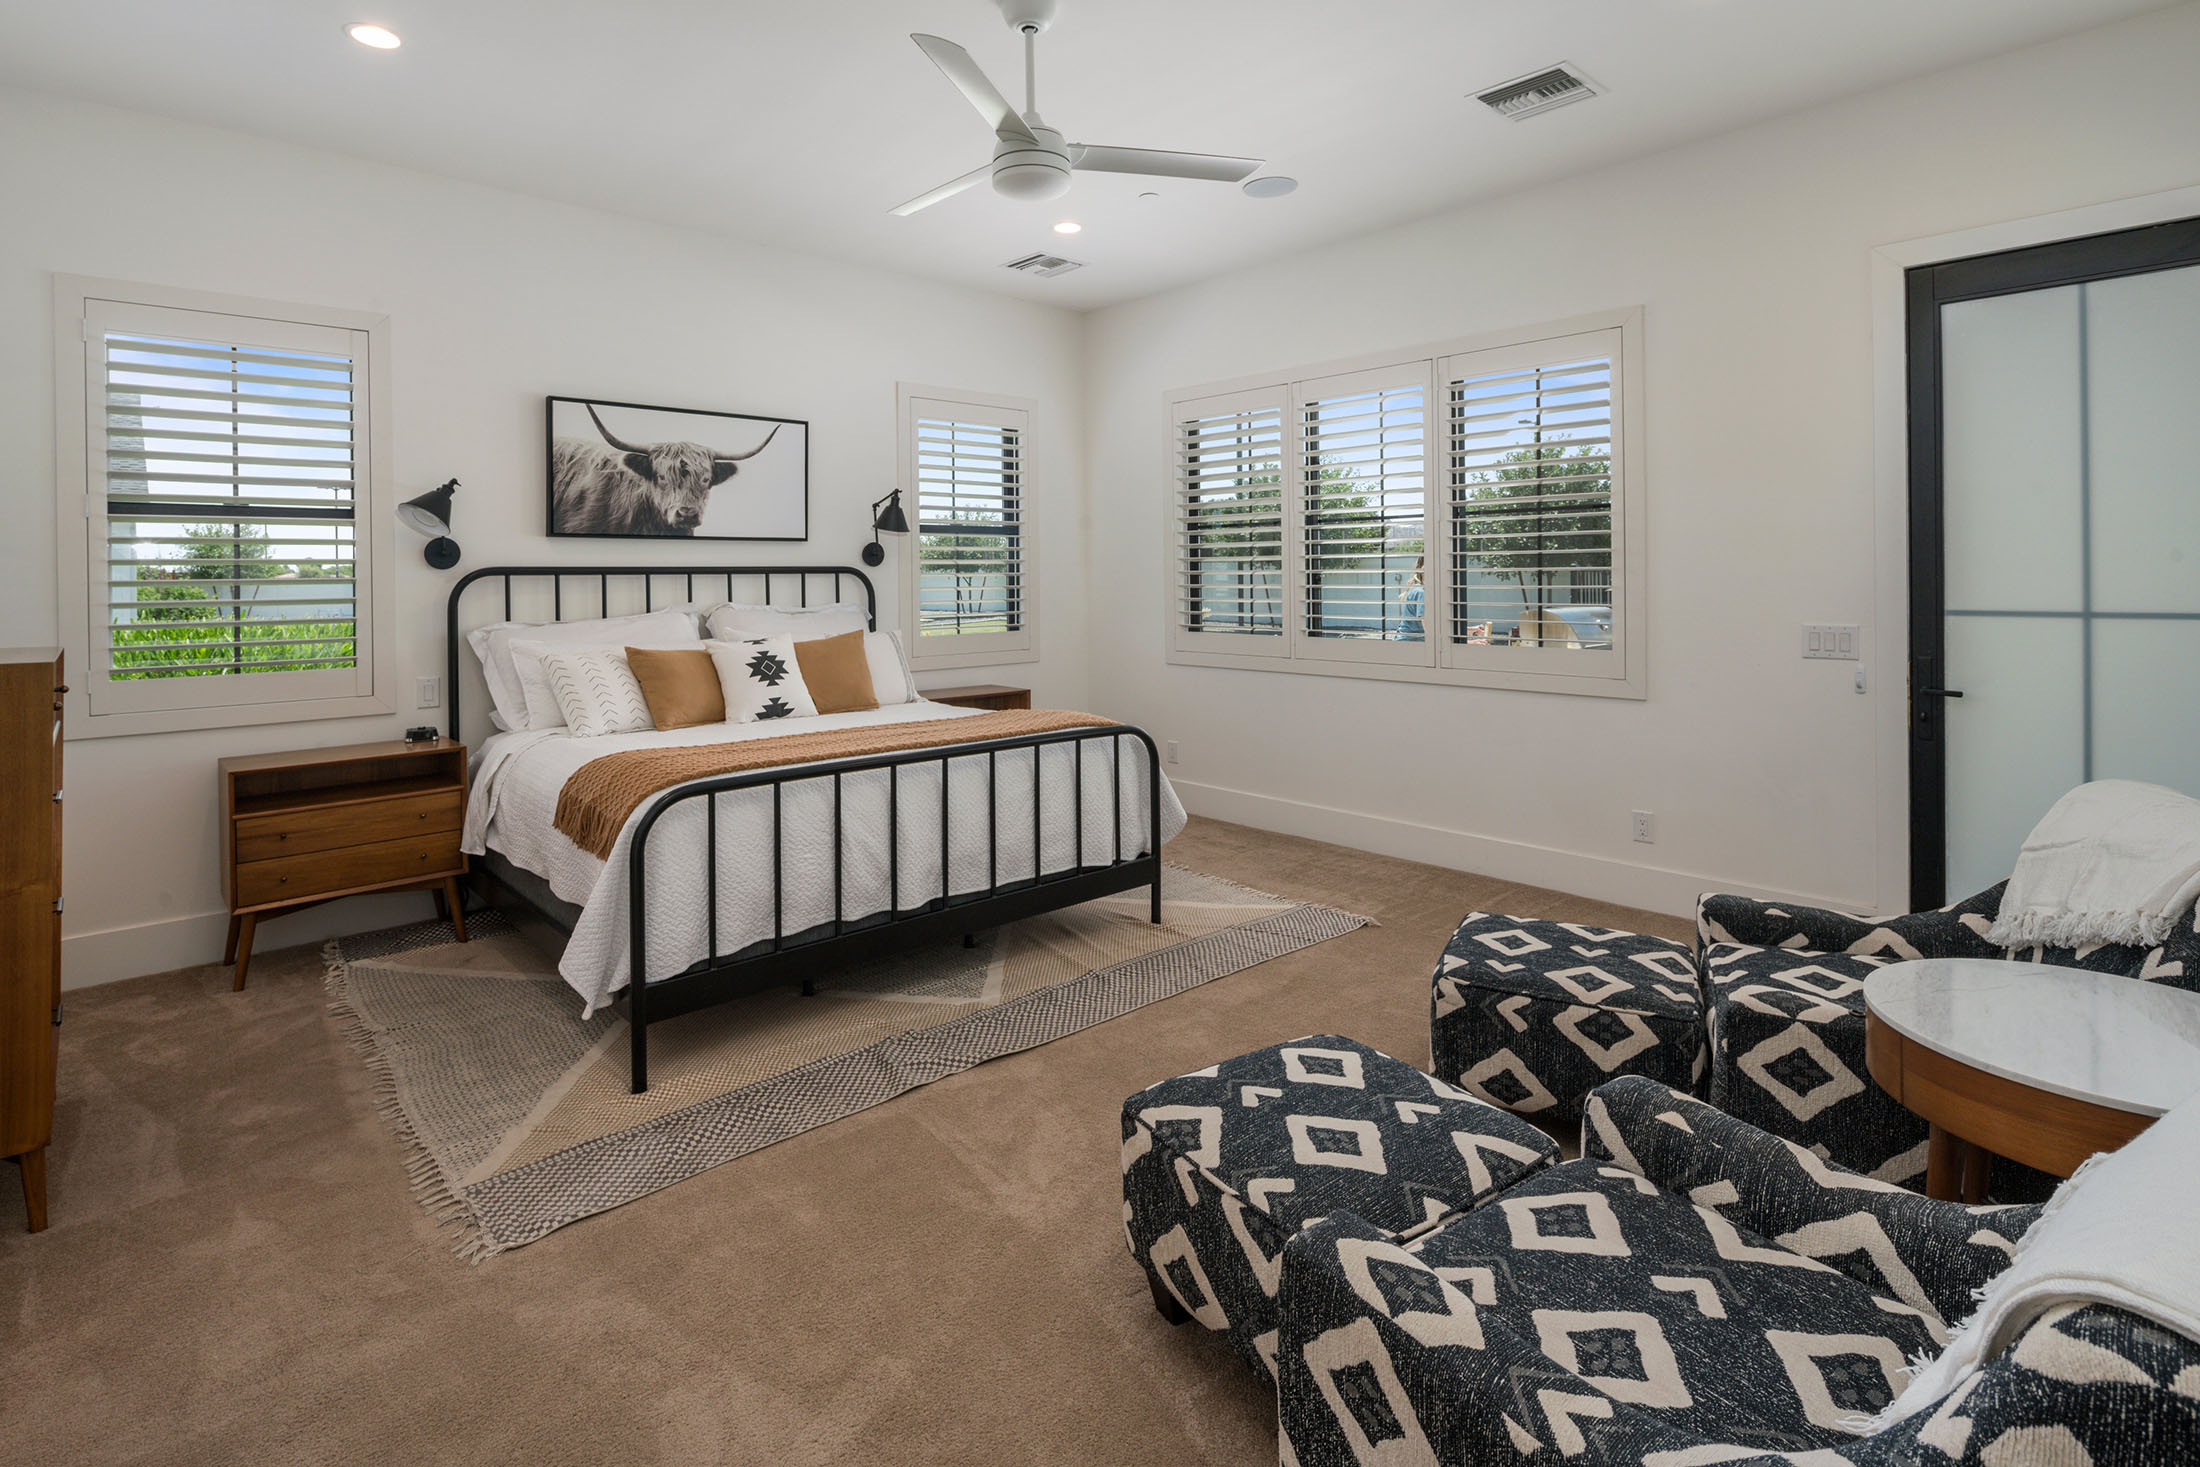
(229, 947)
(244, 949)
(457, 904)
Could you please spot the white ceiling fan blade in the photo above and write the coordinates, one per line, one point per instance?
(946, 190)
(955, 64)
(1090, 158)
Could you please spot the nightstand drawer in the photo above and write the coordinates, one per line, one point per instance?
(297, 832)
(300, 878)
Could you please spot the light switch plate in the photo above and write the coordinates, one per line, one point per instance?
(1832, 640)
(428, 692)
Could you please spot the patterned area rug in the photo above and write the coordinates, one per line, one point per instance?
(514, 1112)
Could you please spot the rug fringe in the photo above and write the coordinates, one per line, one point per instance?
(428, 1184)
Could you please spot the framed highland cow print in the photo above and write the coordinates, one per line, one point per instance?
(627, 471)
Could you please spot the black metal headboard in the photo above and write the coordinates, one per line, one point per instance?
(760, 580)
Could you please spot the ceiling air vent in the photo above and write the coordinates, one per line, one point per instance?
(1045, 265)
(1541, 92)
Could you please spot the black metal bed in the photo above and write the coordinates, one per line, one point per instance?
(801, 955)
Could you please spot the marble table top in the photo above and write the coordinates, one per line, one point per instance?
(2113, 1041)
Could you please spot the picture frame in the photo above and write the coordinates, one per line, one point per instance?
(634, 471)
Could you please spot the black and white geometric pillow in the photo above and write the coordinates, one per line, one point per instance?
(596, 691)
(761, 680)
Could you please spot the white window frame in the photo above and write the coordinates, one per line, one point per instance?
(1620, 673)
(100, 708)
(983, 649)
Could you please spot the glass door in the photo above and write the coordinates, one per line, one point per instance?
(2055, 538)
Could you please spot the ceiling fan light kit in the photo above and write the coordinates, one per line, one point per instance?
(1032, 161)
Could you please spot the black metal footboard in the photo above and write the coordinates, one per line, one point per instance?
(800, 955)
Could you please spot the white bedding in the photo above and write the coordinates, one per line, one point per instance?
(518, 775)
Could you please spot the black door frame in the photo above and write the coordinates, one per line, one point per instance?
(1927, 288)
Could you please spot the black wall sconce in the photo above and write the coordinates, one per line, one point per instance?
(886, 519)
(430, 514)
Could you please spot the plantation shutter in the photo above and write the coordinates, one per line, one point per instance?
(969, 522)
(226, 459)
(1531, 497)
(1229, 520)
(1363, 467)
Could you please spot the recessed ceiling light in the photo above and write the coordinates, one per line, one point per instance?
(380, 37)
(1274, 186)
(1068, 226)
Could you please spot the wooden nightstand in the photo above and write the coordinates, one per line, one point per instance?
(996, 696)
(318, 824)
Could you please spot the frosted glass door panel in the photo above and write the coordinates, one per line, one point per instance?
(2142, 350)
(2016, 741)
(2011, 444)
(2146, 701)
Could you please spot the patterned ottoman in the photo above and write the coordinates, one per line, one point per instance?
(1534, 1015)
(1222, 1166)
(1787, 1055)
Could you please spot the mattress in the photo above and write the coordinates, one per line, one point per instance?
(517, 777)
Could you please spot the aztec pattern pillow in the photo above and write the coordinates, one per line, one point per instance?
(762, 680)
(597, 692)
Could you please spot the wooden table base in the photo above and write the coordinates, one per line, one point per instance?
(1976, 1116)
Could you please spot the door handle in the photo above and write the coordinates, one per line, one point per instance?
(1938, 693)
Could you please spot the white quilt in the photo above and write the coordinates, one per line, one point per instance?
(518, 775)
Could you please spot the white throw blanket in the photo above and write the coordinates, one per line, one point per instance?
(2124, 1231)
(2114, 861)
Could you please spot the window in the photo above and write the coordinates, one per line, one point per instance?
(1460, 516)
(228, 560)
(969, 580)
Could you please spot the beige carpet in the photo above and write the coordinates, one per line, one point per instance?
(235, 1273)
(517, 1116)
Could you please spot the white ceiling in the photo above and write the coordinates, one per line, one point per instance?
(800, 123)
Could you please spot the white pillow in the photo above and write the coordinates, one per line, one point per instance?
(534, 683)
(493, 645)
(596, 691)
(890, 679)
(761, 679)
(734, 622)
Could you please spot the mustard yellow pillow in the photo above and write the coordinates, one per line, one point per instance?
(680, 685)
(837, 672)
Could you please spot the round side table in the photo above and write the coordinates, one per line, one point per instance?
(2043, 1065)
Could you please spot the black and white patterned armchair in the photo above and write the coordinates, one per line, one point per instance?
(1784, 990)
(1694, 1291)
(1222, 1166)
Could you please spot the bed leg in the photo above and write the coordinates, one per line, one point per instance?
(970, 939)
(637, 1034)
(809, 988)
(1157, 899)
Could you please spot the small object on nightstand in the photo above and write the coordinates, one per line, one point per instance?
(426, 733)
(307, 827)
(995, 696)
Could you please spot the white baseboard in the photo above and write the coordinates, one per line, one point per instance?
(115, 953)
(1653, 888)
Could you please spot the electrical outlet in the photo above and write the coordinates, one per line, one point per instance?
(1840, 643)
(1646, 828)
(428, 692)
(1168, 751)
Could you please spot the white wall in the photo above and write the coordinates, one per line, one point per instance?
(495, 300)
(1751, 253)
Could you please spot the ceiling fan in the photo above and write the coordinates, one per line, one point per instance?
(1030, 159)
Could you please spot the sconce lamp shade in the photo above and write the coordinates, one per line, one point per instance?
(430, 514)
(886, 519)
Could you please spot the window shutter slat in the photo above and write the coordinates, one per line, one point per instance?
(1363, 494)
(1530, 499)
(225, 563)
(969, 511)
(1229, 524)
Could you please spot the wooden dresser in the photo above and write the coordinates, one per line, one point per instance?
(30, 910)
(318, 824)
